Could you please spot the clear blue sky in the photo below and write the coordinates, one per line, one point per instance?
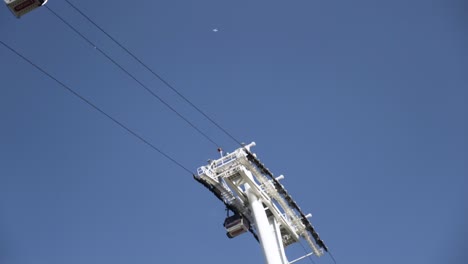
(362, 105)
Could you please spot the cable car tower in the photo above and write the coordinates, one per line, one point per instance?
(260, 203)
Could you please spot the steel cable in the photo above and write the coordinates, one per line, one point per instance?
(133, 77)
(95, 107)
(158, 76)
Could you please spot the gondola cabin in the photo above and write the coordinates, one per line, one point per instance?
(236, 225)
(21, 7)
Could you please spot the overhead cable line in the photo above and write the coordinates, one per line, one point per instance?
(95, 107)
(332, 257)
(305, 251)
(158, 76)
(133, 77)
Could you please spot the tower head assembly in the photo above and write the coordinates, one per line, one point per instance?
(244, 184)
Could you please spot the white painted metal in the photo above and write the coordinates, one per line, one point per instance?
(250, 190)
(271, 249)
(274, 225)
(303, 257)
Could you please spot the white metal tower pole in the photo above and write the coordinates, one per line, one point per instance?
(275, 227)
(272, 250)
